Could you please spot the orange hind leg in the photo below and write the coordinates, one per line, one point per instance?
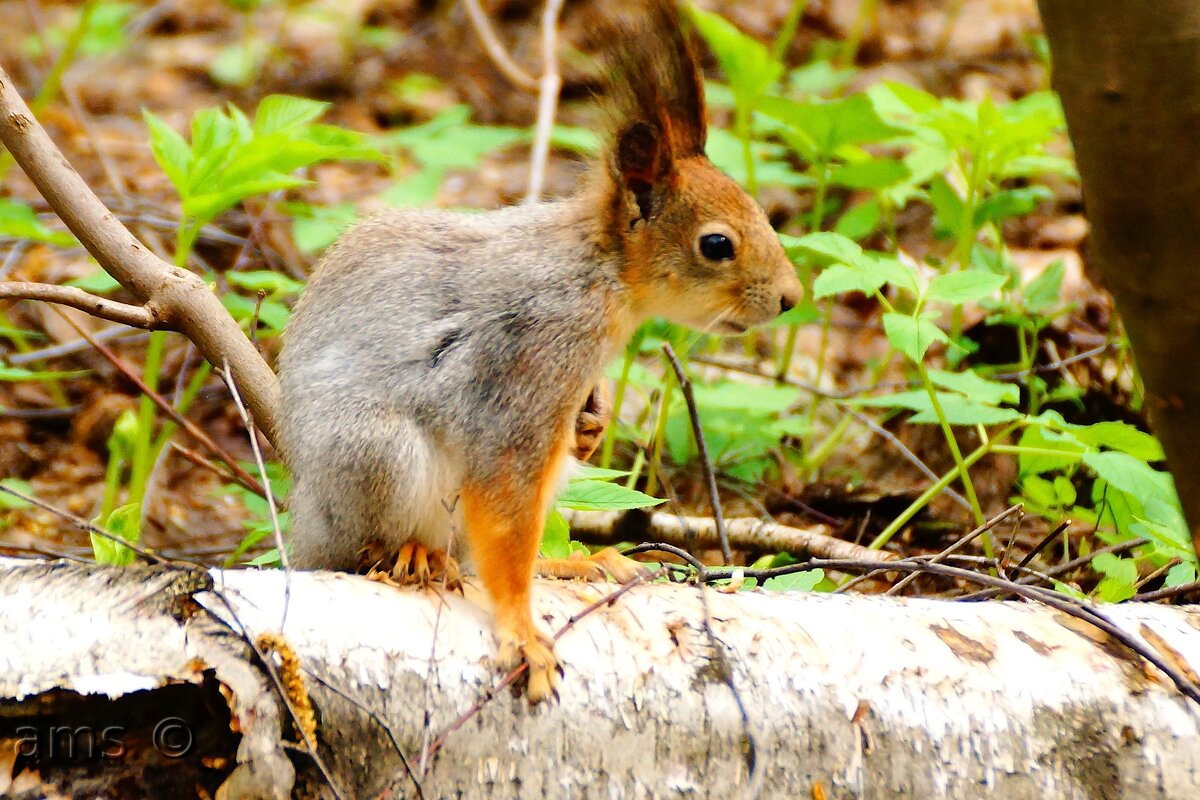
(504, 519)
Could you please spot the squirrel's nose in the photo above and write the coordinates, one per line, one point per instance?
(787, 302)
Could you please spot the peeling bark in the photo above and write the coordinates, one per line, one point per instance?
(868, 697)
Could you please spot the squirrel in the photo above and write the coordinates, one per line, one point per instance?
(440, 371)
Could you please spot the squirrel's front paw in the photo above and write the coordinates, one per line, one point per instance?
(544, 672)
(590, 423)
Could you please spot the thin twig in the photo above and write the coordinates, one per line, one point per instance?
(710, 477)
(144, 317)
(242, 476)
(908, 454)
(495, 49)
(1062, 569)
(378, 720)
(87, 527)
(1076, 608)
(252, 433)
(550, 84)
(961, 543)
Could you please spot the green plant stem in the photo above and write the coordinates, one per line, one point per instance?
(610, 434)
(948, 432)
(742, 121)
(51, 87)
(849, 51)
(816, 220)
(660, 435)
(143, 457)
(967, 233)
(112, 486)
(820, 454)
(933, 491)
(195, 383)
(783, 39)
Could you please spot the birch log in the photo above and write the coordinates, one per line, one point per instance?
(863, 697)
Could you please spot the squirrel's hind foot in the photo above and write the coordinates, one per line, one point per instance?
(415, 565)
(591, 568)
(544, 674)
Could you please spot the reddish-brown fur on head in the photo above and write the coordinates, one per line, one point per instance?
(666, 198)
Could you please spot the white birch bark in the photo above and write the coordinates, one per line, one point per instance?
(867, 697)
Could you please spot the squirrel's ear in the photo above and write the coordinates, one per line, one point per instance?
(643, 159)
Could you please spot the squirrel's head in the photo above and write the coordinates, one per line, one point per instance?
(697, 249)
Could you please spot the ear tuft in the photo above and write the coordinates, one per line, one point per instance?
(654, 80)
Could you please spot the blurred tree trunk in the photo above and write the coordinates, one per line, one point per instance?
(1129, 75)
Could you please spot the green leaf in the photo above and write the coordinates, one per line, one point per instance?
(264, 281)
(839, 278)
(18, 221)
(7, 501)
(1009, 203)
(268, 559)
(97, 282)
(1180, 574)
(826, 247)
(746, 62)
(860, 221)
(1120, 436)
(977, 388)
(1043, 439)
(959, 410)
(912, 336)
(280, 112)
(556, 536)
(964, 287)
(170, 150)
(1043, 292)
(589, 472)
(1120, 576)
(593, 495)
(1130, 475)
(314, 228)
(947, 206)
(125, 523)
(875, 173)
(804, 581)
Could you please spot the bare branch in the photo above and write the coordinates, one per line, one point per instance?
(135, 316)
(744, 533)
(181, 299)
(551, 83)
(495, 49)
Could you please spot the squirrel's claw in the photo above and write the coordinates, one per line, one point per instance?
(592, 567)
(544, 674)
(428, 569)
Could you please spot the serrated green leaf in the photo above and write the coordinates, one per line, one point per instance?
(977, 388)
(592, 495)
(1130, 475)
(280, 112)
(1180, 574)
(1120, 436)
(839, 278)
(746, 62)
(912, 336)
(964, 287)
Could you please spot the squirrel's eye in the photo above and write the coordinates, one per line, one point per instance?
(716, 247)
